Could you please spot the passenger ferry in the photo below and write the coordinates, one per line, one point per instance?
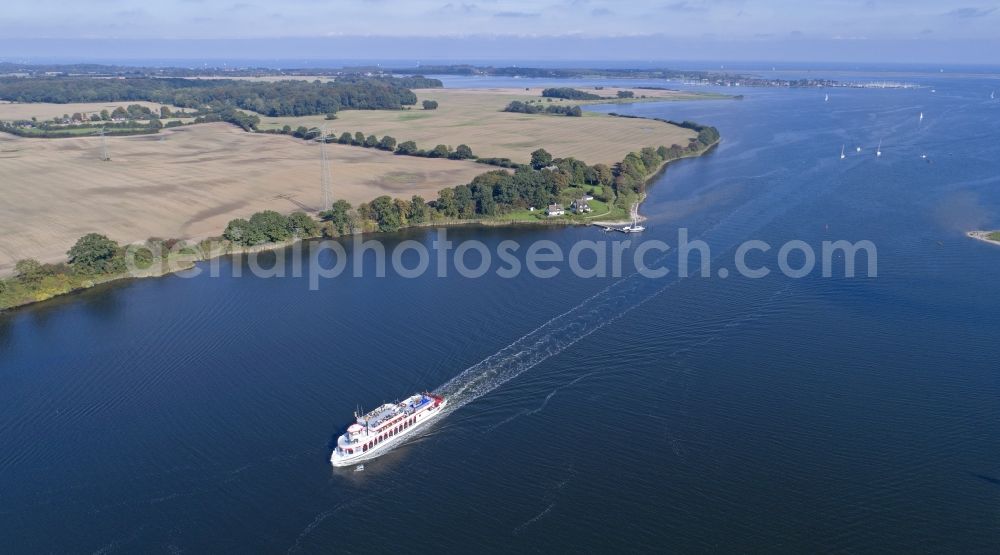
(378, 431)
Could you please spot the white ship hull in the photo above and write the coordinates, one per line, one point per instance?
(367, 439)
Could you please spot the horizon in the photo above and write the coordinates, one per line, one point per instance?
(499, 51)
(837, 31)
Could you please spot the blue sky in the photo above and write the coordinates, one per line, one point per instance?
(490, 27)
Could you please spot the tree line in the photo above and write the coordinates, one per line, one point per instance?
(270, 227)
(276, 98)
(531, 108)
(499, 192)
(93, 256)
(569, 93)
(386, 143)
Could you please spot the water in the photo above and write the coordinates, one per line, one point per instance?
(701, 414)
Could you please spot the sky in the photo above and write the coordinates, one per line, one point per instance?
(823, 30)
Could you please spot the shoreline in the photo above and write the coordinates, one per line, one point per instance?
(985, 236)
(189, 260)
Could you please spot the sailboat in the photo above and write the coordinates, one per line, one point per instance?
(857, 149)
(921, 117)
(842, 156)
(878, 151)
(993, 95)
(826, 98)
(634, 228)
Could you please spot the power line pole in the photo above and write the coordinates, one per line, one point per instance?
(326, 180)
(104, 147)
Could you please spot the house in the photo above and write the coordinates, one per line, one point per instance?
(580, 206)
(555, 210)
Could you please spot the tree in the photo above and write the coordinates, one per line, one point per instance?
(387, 143)
(446, 203)
(385, 213)
(105, 116)
(463, 201)
(338, 216)
(462, 152)
(626, 94)
(371, 141)
(240, 231)
(440, 151)
(29, 272)
(359, 139)
(604, 174)
(407, 148)
(95, 254)
(430, 105)
(119, 113)
(418, 210)
(301, 225)
(272, 224)
(165, 112)
(540, 159)
(345, 138)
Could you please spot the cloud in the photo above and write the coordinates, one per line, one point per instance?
(684, 6)
(970, 13)
(516, 14)
(463, 8)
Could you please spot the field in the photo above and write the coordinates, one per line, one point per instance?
(473, 117)
(189, 182)
(186, 182)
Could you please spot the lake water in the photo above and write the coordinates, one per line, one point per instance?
(702, 414)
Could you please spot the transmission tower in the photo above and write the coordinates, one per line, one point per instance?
(325, 177)
(104, 147)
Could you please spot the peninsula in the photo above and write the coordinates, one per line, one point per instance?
(200, 165)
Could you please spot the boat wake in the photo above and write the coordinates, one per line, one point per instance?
(611, 303)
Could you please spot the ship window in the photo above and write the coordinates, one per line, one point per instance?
(365, 448)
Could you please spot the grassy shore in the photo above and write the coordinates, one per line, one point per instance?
(987, 236)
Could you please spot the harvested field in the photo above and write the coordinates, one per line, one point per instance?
(473, 117)
(186, 183)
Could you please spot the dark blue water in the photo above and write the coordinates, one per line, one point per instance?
(700, 414)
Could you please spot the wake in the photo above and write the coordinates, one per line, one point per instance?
(613, 302)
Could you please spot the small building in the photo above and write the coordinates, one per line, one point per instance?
(588, 197)
(555, 210)
(580, 206)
